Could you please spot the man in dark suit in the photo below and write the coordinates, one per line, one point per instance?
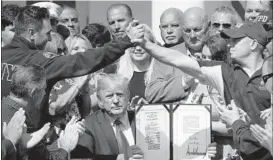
(111, 130)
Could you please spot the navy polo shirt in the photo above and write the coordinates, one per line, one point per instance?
(233, 82)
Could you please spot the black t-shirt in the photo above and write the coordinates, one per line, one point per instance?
(137, 85)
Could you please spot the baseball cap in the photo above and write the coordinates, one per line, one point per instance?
(252, 30)
(265, 18)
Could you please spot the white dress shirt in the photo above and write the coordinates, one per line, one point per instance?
(125, 128)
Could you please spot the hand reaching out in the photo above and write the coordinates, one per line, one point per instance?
(14, 129)
(30, 140)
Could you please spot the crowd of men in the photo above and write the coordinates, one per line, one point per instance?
(201, 57)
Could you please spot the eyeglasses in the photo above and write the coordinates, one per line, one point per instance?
(266, 77)
(225, 25)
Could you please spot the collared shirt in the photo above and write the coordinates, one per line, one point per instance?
(232, 82)
(197, 88)
(125, 127)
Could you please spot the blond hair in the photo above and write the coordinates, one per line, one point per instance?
(125, 64)
(70, 41)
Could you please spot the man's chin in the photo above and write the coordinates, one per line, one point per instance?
(119, 35)
(117, 112)
(195, 47)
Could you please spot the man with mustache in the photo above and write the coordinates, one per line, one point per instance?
(222, 18)
(69, 18)
(195, 27)
(119, 16)
(169, 84)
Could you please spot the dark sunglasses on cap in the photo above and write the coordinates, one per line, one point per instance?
(266, 77)
(267, 27)
(225, 25)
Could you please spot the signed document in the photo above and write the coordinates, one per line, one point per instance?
(191, 131)
(153, 131)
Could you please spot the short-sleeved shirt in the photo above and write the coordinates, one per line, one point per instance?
(70, 109)
(233, 82)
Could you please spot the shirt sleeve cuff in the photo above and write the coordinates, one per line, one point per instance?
(237, 124)
(9, 146)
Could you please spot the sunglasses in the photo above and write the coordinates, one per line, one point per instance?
(267, 27)
(266, 77)
(225, 25)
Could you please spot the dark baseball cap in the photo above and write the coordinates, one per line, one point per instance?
(265, 18)
(252, 30)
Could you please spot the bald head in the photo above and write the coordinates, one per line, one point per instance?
(195, 14)
(195, 25)
(171, 26)
(175, 12)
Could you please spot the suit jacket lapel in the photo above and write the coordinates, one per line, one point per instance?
(108, 132)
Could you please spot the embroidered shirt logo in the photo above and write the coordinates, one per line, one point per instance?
(50, 55)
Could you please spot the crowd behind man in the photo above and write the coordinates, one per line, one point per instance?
(66, 93)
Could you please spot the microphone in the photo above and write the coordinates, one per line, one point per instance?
(63, 31)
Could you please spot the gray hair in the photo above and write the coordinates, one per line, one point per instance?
(227, 10)
(25, 79)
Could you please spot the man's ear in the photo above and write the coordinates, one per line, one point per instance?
(99, 102)
(31, 33)
(254, 44)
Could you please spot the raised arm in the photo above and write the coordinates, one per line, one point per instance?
(173, 58)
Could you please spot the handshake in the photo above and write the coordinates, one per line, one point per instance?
(136, 32)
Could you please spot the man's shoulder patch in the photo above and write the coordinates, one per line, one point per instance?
(50, 54)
